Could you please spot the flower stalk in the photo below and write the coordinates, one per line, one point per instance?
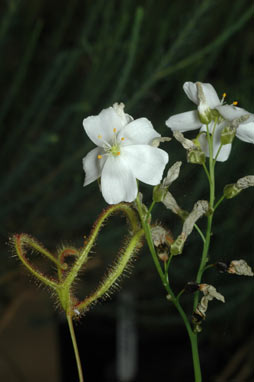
(206, 244)
(165, 282)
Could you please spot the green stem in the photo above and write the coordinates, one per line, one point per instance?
(219, 202)
(192, 336)
(200, 232)
(203, 258)
(207, 172)
(149, 240)
(165, 283)
(75, 347)
(150, 210)
(218, 153)
(206, 245)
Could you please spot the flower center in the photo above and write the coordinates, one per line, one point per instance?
(113, 148)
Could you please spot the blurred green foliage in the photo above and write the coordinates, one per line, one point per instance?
(64, 60)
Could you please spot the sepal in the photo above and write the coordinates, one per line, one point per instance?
(196, 156)
(233, 189)
(204, 111)
(227, 135)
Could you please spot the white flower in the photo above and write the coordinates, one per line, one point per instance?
(205, 96)
(124, 154)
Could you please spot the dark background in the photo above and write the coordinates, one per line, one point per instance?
(61, 61)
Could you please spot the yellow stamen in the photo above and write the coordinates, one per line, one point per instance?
(224, 95)
(118, 153)
(122, 139)
(99, 136)
(235, 103)
(99, 156)
(114, 130)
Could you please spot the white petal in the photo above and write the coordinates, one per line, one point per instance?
(190, 89)
(225, 150)
(100, 128)
(211, 95)
(245, 132)
(147, 163)
(140, 131)
(118, 184)
(230, 112)
(93, 166)
(184, 121)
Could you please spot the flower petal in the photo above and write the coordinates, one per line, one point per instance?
(140, 131)
(147, 163)
(210, 94)
(100, 128)
(184, 121)
(245, 132)
(93, 166)
(230, 112)
(118, 183)
(225, 149)
(190, 90)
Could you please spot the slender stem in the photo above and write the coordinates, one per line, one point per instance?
(218, 153)
(207, 172)
(168, 263)
(195, 357)
(150, 209)
(75, 347)
(200, 232)
(180, 294)
(174, 300)
(149, 240)
(203, 257)
(219, 202)
(192, 336)
(206, 245)
(208, 267)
